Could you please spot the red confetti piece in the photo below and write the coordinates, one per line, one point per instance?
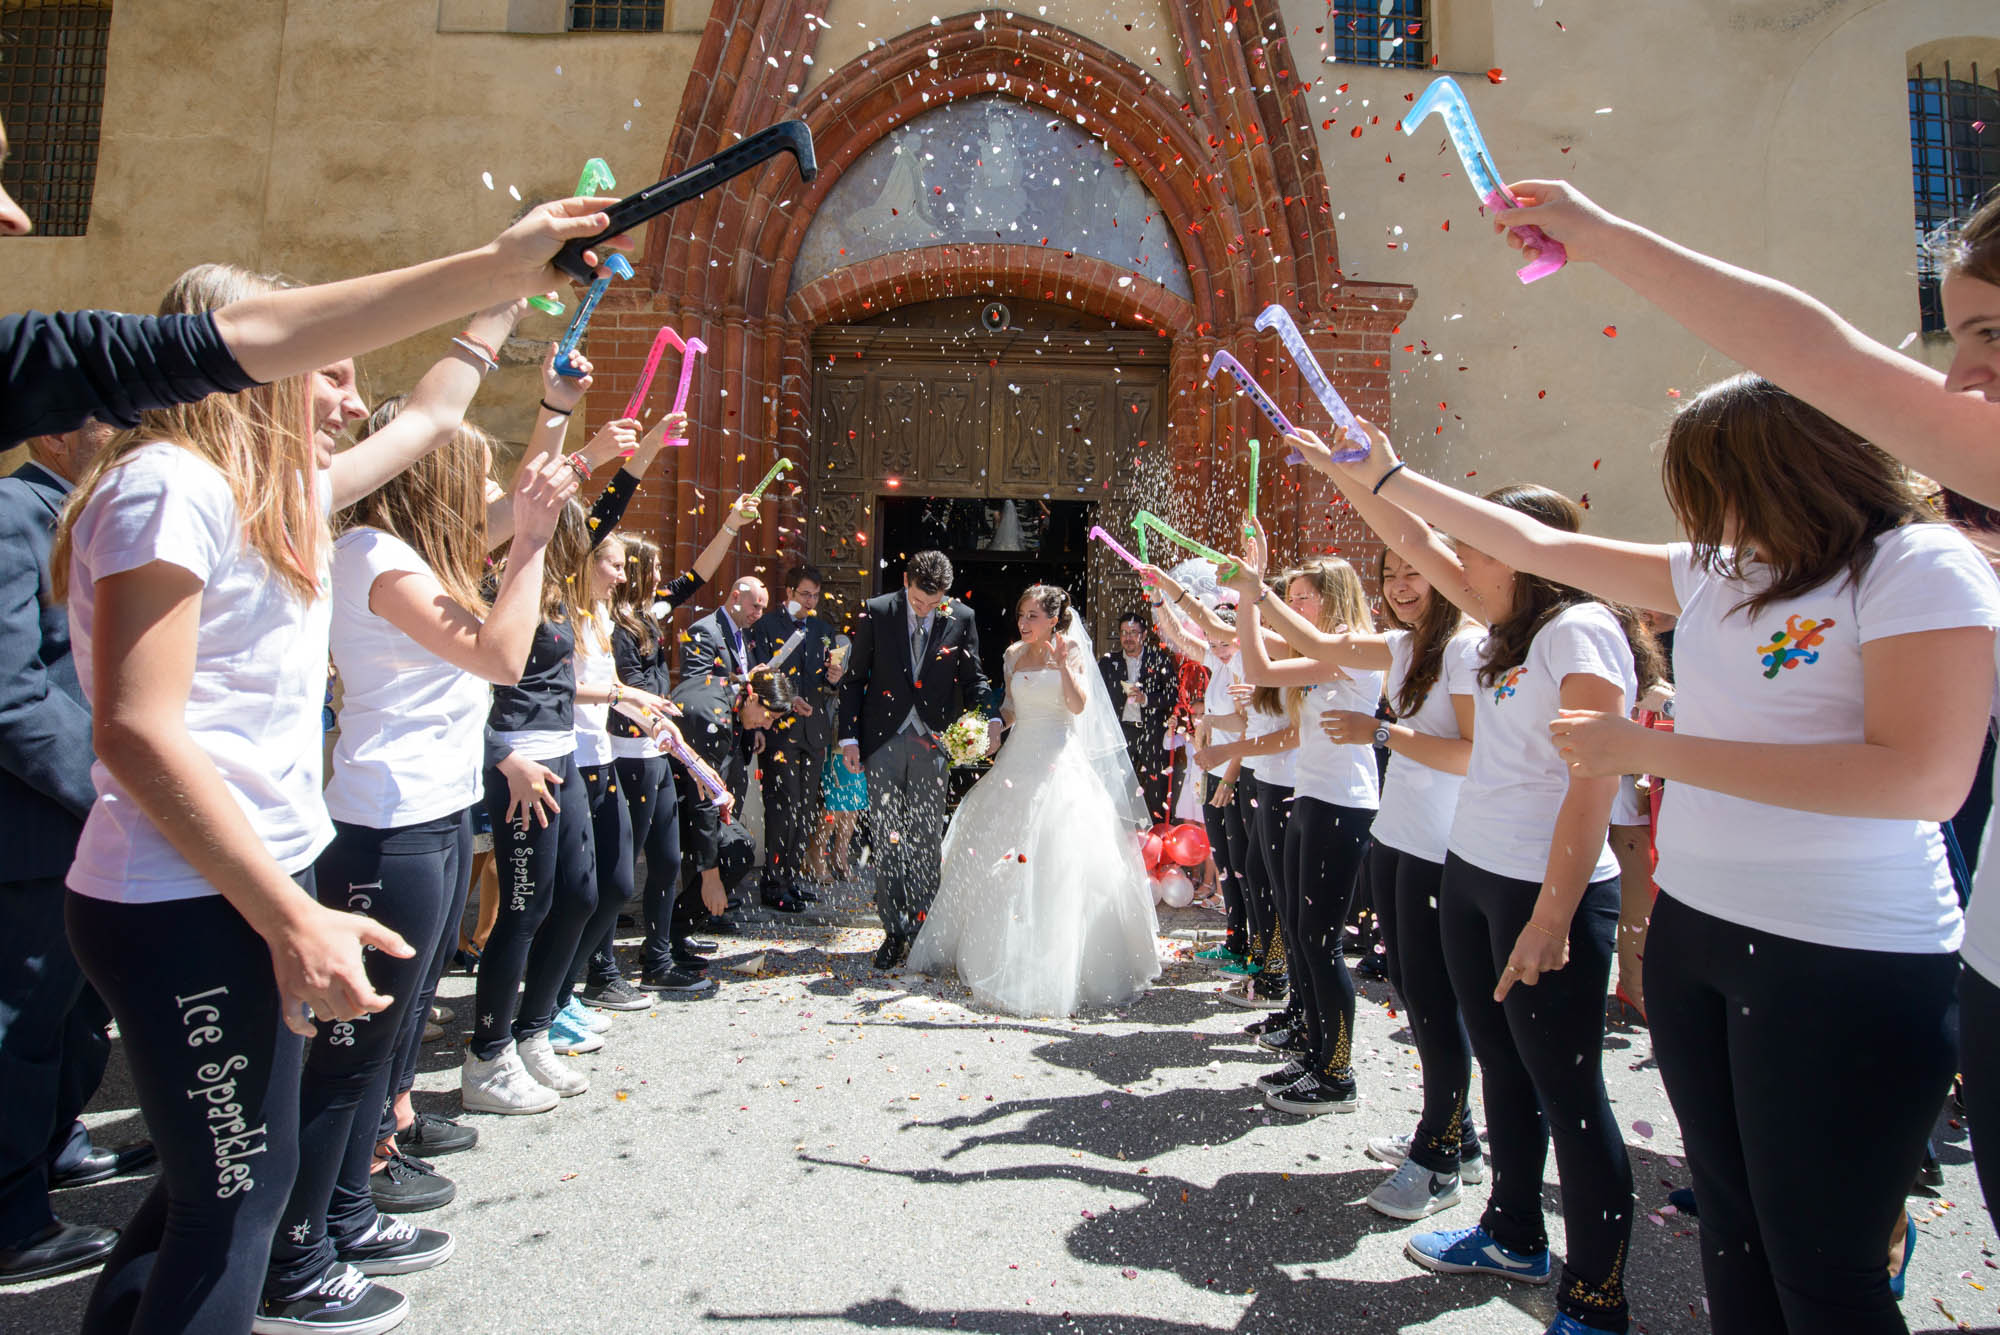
(1611, 331)
(1447, 225)
(1354, 133)
(1541, 394)
(1495, 75)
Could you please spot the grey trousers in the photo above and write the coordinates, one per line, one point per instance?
(906, 798)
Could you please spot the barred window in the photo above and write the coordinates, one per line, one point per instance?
(1954, 159)
(52, 96)
(603, 16)
(1395, 34)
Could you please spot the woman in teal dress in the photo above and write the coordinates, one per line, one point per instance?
(845, 797)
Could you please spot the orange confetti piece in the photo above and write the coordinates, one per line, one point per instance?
(1496, 75)
(1611, 331)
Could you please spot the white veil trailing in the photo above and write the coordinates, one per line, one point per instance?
(1101, 736)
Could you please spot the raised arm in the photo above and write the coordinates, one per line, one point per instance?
(741, 515)
(1341, 649)
(294, 330)
(1638, 574)
(1790, 338)
(1205, 620)
(1176, 633)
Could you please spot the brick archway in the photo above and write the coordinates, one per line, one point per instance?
(1236, 174)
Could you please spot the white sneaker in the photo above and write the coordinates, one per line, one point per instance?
(1394, 1149)
(549, 1069)
(503, 1085)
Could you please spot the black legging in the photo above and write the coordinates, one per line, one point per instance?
(1324, 847)
(1541, 1061)
(1229, 842)
(410, 1047)
(1406, 899)
(1979, 1063)
(653, 806)
(1265, 808)
(1750, 1028)
(611, 835)
(405, 879)
(548, 891)
(217, 1075)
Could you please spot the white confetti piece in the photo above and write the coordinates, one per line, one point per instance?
(487, 177)
(1908, 339)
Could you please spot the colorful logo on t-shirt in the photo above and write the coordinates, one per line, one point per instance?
(1508, 683)
(1793, 646)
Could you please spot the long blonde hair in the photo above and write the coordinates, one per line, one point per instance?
(260, 440)
(1343, 601)
(632, 602)
(437, 505)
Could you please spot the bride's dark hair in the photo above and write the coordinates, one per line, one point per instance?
(1053, 601)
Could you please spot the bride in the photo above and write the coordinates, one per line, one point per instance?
(1043, 903)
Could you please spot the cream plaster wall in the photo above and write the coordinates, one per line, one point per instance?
(1771, 132)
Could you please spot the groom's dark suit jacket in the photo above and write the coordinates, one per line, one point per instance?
(880, 687)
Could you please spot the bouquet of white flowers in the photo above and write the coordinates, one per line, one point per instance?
(965, 740)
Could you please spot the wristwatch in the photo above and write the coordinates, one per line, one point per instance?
(1381, 734)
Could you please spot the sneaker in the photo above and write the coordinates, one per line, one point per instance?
(408, 1185)
(596, 1022)
(343, 1300)
(572, 1039)
(1472, 1251)
(682, 982)
(430, 1135)
(1309, 1096)
(1275, 1020)
(502, 1085)
(393, 1247)
(616, 995)
(1221, 955)
(442, 1014)
(1286, 1040)
(550, 1070)
(1253, 997)
(1239, 964)
(1284, 1075)
(1414, 1192)
(1393, 1150)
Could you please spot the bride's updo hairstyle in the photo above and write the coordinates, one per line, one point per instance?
(1054, 602)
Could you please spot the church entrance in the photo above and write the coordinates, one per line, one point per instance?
(997, 432)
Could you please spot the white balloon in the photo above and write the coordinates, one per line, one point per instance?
(1176, 891)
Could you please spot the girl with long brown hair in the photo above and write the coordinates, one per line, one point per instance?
(1426, 663)
(1945, 424)
(1325, 832)
(1528, 905)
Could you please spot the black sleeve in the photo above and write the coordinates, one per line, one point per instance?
(972, 675)
(854, 686)
(44, 730)
(65, 368)
(610, 507)
(702, 656)
(496, 750)
(685, 585)
(1112, 676)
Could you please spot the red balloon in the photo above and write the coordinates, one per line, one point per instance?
(1187, 845)
(1155, 848)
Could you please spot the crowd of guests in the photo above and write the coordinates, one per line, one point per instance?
(192, 545)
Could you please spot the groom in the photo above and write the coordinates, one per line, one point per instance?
(913, 670)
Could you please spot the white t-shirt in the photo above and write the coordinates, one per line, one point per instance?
(1516, 781)
(1418, 802)
(594, 667)
(259, 673)
(412, 726)
(1277, 767)
(1792, 674)
(1345, 776)
(1216, 699)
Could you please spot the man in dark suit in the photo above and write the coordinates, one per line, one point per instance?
(913, 670)
(795, 746)
(718, 646)
(53, 1028)
(1144, 684)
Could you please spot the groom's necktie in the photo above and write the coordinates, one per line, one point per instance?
(919, 645)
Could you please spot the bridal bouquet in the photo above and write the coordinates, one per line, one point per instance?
(966, 739)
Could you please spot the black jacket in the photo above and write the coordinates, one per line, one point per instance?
(649, 671)
(64, 369)
(880, 688)
(1159, 678)
(807, 669)
(45, 748)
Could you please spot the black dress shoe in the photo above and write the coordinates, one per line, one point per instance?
(56, 1250)
(893, 951)
(804, 895)
(716, 924)
(101, 1163)
(689, 963)
(783, 904)
(694, 945)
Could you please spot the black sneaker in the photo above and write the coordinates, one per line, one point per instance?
(689, 963)
(343, 1301)
(1275, 1020)
(616, 995)
(433, 1135)
(1310, 1096)
(783, 904)
(1291, 1042)
(1284, 1075)
(408, 1185)
(682, 982)
(394, 1247)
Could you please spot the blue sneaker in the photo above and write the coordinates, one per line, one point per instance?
(1569, 1325)
(572, 1039)
(1900, 1278)
(1472, 1251)
(583, 1017)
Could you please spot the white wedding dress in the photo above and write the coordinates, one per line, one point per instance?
(1043, 903)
